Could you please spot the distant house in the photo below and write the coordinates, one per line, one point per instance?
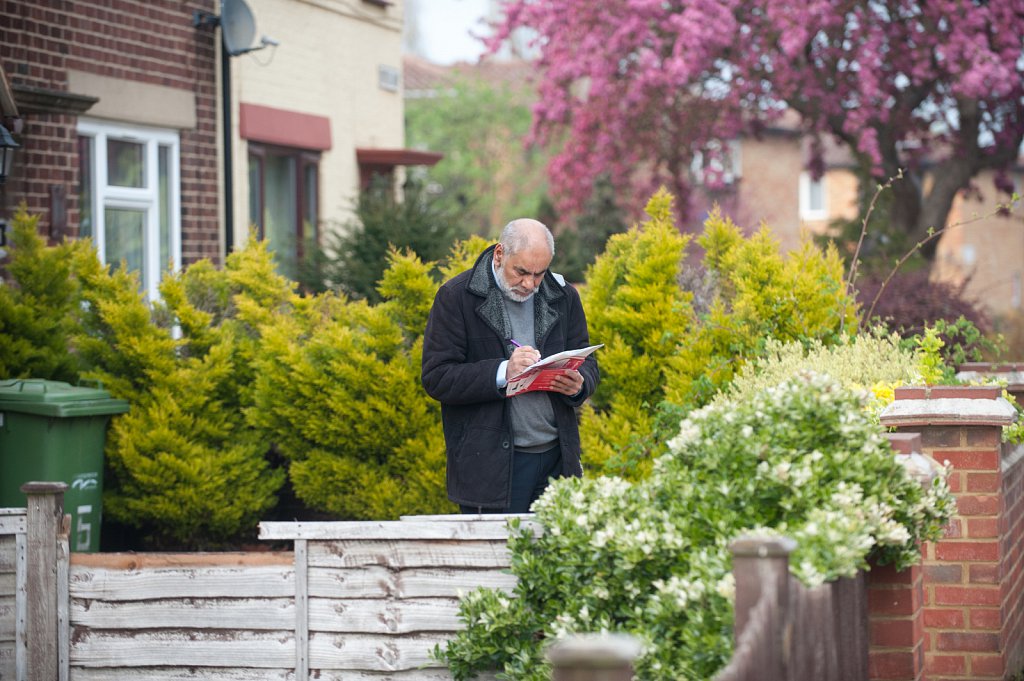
(981, 246)
(118, 114)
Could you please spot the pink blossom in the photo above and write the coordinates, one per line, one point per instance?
(643, 85)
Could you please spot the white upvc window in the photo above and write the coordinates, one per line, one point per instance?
(130, 197)
(812, 197)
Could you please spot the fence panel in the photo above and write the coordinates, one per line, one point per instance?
(218, 616)
(12, 545)
(382, 595)
(367, 601)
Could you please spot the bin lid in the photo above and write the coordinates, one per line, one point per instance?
(56, 398)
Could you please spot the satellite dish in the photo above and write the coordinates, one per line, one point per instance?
(237, 26)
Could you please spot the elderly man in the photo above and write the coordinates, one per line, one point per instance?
(487, 325)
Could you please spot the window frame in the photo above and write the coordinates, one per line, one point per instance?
(807, 211)
(303, 158)
(104, 196)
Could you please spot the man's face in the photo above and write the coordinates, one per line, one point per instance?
(520, 274)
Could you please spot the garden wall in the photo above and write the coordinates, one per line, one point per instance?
(958, 615)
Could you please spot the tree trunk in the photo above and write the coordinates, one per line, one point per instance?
(921, 213)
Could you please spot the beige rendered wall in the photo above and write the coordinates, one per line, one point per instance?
(327, 64)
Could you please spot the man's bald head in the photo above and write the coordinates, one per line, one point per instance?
(526, 233)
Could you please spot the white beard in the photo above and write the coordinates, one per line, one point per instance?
(508, 291)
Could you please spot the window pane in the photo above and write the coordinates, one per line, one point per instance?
(124, 238)
(256, 193)
(280, 211)
(815, 195)
(85, 184)
(126, 163)
(164, 189)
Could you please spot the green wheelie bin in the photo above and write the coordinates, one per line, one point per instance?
(52, 431)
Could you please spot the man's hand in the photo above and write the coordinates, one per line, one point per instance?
(521, 358)
(568, 382)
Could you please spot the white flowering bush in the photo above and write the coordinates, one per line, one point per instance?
(651, 558)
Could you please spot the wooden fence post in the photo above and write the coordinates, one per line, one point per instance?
(606, 657)
(44, 521)
(762, 627)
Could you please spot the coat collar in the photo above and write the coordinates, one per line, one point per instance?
(492, 307)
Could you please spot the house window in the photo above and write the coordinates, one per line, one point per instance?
(720, 167)
(812, 197)
(130, 199)
(284, 200)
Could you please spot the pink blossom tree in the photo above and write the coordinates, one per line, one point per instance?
(637, 89)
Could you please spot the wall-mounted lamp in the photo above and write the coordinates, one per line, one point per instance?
(7, 147)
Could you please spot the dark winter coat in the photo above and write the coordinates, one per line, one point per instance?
(465, 340)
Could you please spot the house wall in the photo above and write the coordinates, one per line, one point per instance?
(986, 249)
(767, 190)
(147, 64)
(326, 65)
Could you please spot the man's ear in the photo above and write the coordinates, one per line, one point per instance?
(498, 253)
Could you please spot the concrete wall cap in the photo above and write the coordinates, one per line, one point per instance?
(1013, 379)
(949, 411)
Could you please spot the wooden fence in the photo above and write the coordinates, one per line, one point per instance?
(787, 632)
(34, 586)
(12, 553)
(354, 601)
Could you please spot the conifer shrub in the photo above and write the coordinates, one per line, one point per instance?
(636, 308)
(338, 391)
(183, 466)
(667, 352)
(760, 295)
(353, 258)
(39, 304)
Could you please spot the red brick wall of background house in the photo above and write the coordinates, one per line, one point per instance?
(148, 41)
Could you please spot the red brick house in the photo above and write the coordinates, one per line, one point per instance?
(118, 108)
(116, 118)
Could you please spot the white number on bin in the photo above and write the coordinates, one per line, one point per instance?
(83, 529)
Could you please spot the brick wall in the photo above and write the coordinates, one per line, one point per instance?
(146, 41)
(968, 587)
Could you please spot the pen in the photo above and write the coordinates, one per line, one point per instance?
(513, 342)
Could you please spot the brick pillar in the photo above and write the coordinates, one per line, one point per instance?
(896, 624)
(970, 579)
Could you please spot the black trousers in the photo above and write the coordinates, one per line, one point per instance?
(531, 474)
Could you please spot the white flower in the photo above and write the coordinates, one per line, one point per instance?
(726, 587)
(782, 470)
